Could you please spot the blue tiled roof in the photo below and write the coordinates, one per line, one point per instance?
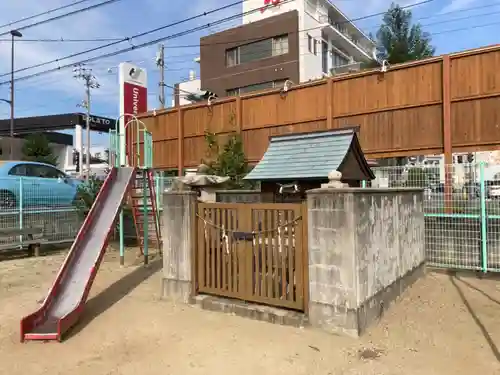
(301, 156)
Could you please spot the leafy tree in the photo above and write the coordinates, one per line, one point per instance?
(37, 148)
(87, 193)
(227, 159)
(399, 41)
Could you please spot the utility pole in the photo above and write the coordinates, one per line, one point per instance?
(90, 82)
(14, 34)
(160, 63)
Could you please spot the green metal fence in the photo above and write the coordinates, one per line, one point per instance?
(33, 211)
(30, 213)
(462, 225)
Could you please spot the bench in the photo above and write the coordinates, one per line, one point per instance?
(33, 244)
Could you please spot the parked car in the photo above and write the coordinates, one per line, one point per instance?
(42, 185)
(493, 190)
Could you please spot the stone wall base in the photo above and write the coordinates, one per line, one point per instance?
(176, 290)
(250, 310)
(354, 322)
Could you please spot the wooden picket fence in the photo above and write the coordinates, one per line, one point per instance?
(254, 252)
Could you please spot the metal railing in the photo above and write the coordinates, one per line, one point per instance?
(462, 217)
(41, 213)
(29, 205)
(346, 33)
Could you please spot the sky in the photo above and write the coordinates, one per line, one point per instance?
(454, 25)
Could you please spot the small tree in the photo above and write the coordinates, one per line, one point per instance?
(37, 148)
(227, 160)
(86, 194)
(399, 41)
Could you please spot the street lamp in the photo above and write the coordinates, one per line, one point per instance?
(14, 34)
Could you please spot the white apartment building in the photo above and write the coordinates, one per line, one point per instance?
(328, 44)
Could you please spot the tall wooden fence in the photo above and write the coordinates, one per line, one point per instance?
(437, 105)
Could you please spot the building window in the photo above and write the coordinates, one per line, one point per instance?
(232, 92)
(310, 43)
(257, 50)
(279, 83)
(256, 87)
(324, 56)
(338, 60)
(315, 47)
(232, 57)
(280, 45)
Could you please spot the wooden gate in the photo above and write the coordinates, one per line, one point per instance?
(253, 252)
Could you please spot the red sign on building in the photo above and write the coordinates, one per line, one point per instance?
(267, 3)
(133, 101)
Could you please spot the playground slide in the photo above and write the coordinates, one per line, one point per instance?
(66, 299)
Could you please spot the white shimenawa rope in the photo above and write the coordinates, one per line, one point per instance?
(279, 240)
(225, 238)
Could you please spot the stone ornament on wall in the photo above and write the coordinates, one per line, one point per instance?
(334, 182)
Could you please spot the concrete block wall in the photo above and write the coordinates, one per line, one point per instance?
(365, 247)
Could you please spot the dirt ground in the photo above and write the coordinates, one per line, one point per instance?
(442, 325)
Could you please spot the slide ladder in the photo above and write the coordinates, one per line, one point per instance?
(143, 201)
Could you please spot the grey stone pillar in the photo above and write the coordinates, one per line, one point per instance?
(366, 246)
(179, 239)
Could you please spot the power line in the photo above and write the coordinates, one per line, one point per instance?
(453, 19)
(187, 32)
(466, 28)
(461, 29)
(177, 35)
(280, 64)
(110, 39)
(55, 18)
(42, 14)
(436, 33)
(459, 11)
(126, 39)
(63, 40)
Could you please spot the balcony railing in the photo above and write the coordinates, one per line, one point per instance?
(348, 68)
(345, 31)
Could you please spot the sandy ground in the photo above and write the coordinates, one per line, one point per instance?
(442, 325)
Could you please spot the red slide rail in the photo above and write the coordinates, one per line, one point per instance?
(30, 322)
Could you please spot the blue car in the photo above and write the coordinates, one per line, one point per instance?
(36, 185)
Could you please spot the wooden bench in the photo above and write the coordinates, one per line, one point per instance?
(33, 244)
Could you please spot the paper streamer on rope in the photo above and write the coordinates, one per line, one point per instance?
(225, 238)
(279, 240)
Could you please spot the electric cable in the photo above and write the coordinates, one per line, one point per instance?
(55, 18)
(152, 42)
(42, 13)
(125, 39)
(110, 39)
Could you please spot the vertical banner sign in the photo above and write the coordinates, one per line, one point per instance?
(133, 101)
